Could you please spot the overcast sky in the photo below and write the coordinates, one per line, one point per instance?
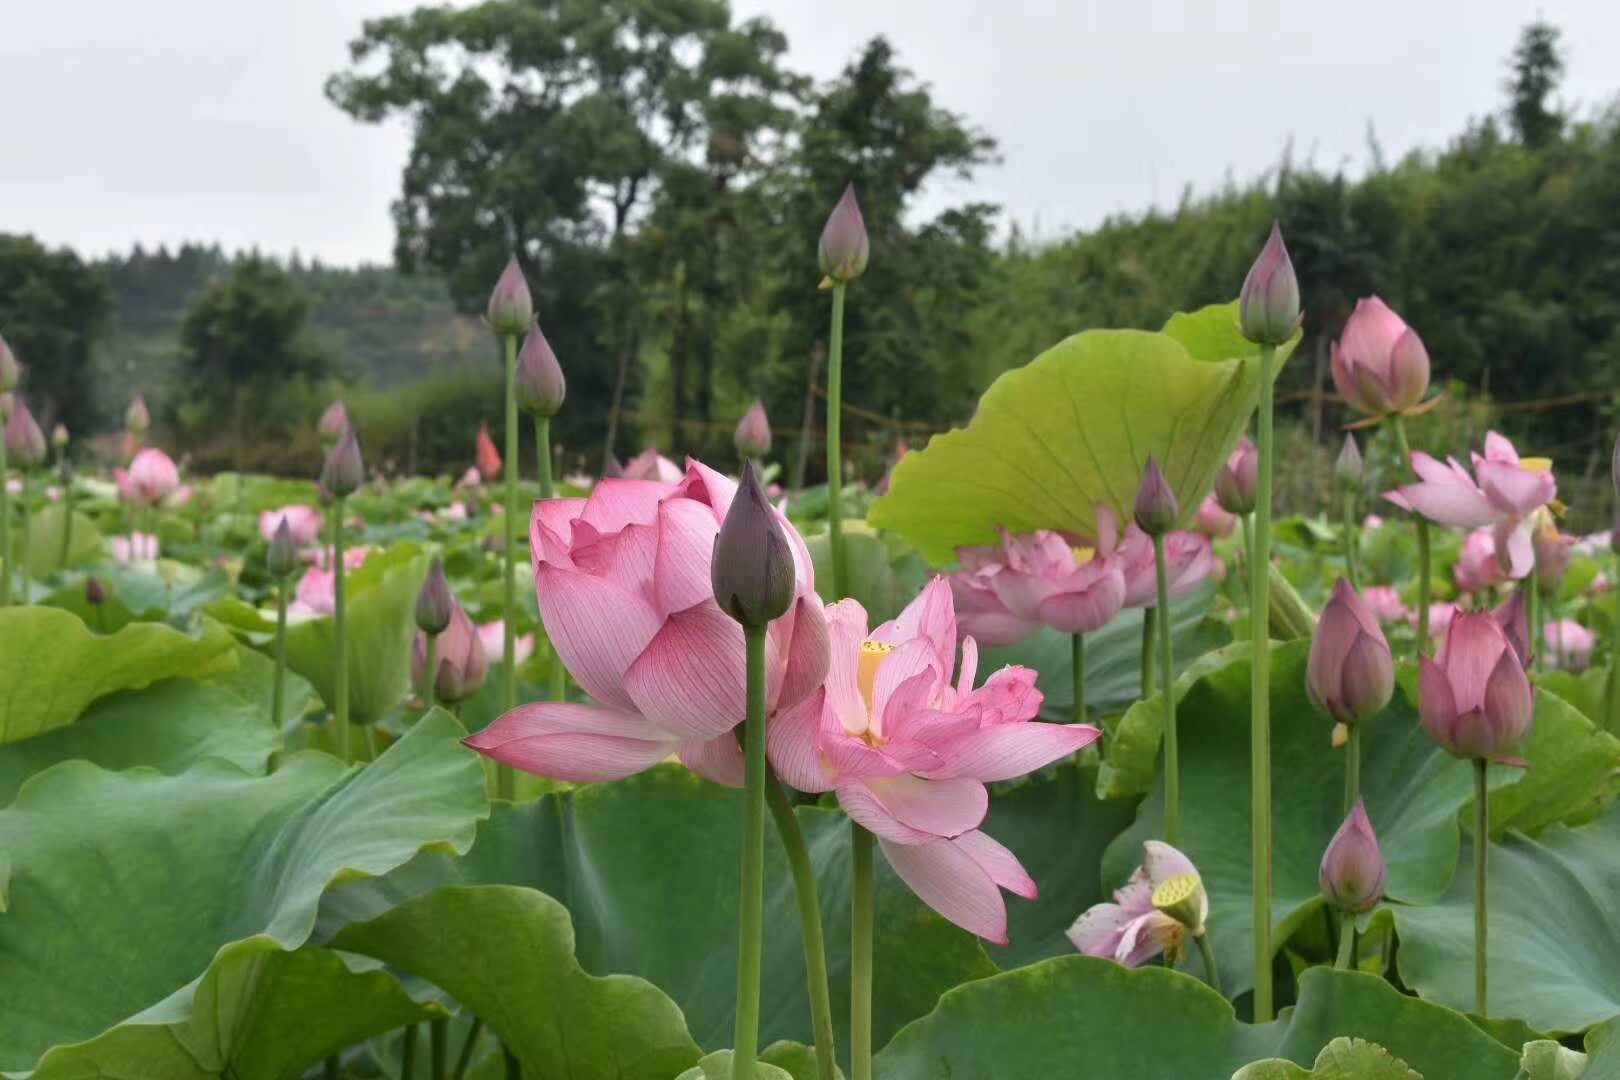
(167, 120)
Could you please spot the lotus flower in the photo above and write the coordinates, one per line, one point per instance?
(1477, 566)
(1268, 306)
(1475, 700)
(493, 635)
(316, 593)
(136, 418)
(460, 656)
(1214, 521)
(511, 308)
(1379, 364)
(623, 583)
(152, 477)
(541, 386)
(651, 465)
(1351, 672)
(1189, 559)
(1237, 486)
(1353, 870)
(304, 523)
(844, 247)
(1570, 644)
(136, 547)
(1134, 929)
(908, 744)
(1385, 603)
(25, 442)
(753, 435)
(487, 457)
(1005, 593)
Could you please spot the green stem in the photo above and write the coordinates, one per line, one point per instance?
(1352, 767)
(503, 773)
(815, 948)
(438, 1048)
(26, 545)
(1482, 847)
(1078, 644)
(430, 672)
(332, 1068)
(557, 677)
(862, 919)
(835, 465)
(1172, 753)
(1425, 572)
(468, 1044)
(1260, 696)
(67, 523)
(514, 1067)
(1149, 676)
(5, 531)
(751, 905)
(1350, 539)
(407, 1055)
(1212, 974)
(340, 627)
(1347, 942)
(1532, 616)
(1248, 549)
(278, 689)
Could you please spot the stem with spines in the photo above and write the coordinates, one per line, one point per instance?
(1260, 694)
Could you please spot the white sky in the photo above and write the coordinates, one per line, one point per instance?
(166, 120)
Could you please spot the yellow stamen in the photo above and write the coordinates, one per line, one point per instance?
(1536, 464)
(873, 653)
(1084, 555)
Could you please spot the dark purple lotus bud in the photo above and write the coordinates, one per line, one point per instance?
(1269, 304)
(511, 308)
(434, 603)
(1155, 509)
(540, 383)
(1353, 869)
(25, 442)
(752, 566)
(753, 436)
(282, 558)
(344, 471)
(844, 245)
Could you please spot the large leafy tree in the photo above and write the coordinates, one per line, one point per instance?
(53, 310)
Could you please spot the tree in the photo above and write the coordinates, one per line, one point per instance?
(54, 309)
(1537, 65)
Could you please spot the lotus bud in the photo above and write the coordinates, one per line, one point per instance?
(1155, 508)
(1353, 870)
(487, 457)
(540, 383)
(10, 370)
(1349, 469)
(1268, 307)
(1237, 488)
(282, 557)
(25, 442)
(1475, 701)
(511, 308)
(344, 471)
(844, 245)
(1513, 616)
(434, 603)
(59, 436)
(752, 566)
(95, 593)
(333, 423)
(753, 436)
(462, 663)
(1379, 364)
(136, 418)
(1350, 674)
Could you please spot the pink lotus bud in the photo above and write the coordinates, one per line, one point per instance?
(1475, 701)
(844, 245)
(344, 471)
(1513, 616)
(1237, 488)
(487, 457)
(1353, 870)
(25, 442)
(10, 370)
(59, 436)
(1349, 469)
(334, 422)
(152, 477)
(751, 569)
(136, 418)
(540, 383)
(1380, 365)
(282, 557)
(1351, 673)
(1155, 510)
(1268, 307)
(462, 663)
(434, 602)
(753, 436)
(511, 308)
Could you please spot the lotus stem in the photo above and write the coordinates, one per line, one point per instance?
(1612, 705)
(1248, 550)
(862, 919)
(1350, 540)
(438, 1048)
(514, 1067)
(468, 1044)
(1352, 766)
(503, 773)
(1079, 660)
(1260, 695)
(1424, 554)
(340, 633)
(835, 467)
(67, 522)
(1172, 753)
(1212, 974)
(278, 689)
(407, 1054)
(815, 948)
(1347, 940)
(557, 678)
(430, 672)
(1532, 613)
(27, 543)
(1150, 617)
(1482, 847)
(751, 905)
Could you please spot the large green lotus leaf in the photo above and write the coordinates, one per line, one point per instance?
(1572, 763)
(1341, 1059)
(1554, 926)
(634, 859)
(1074, 428)
(381, 595)
(180, 590)
(868, 573)
(45, 541)
(260, 1013)
(1584, 690)
(1113, 656)
(254, 681)
(126, 884)
(717, 1066)
(507, 953)
(52, 666)
(1080, 1016)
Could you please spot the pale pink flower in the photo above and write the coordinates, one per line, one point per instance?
(1386, 603)
(1570, 644)
(136, 547)
(152, 477)
(1477, 567)
(1379, 364)
(651, 465)
(1132, 930)
(908, 744)
(1475, 700)
(1005, 593)
(1372, 522)
(493, 636)
(1213, 521)
(1189, 558)
(1441, 613)
(304, 523)
(317, 589)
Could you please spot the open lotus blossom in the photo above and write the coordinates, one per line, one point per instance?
(1379, 364)
(304, 523)
(1155, 912)
(493, 635)
(1503, 494)
(1005, 593)
(316, 593)
(1189, 559)
(1386, 603)
(1477, 567)
(1213, 521)
(151, 478)
(651, 465)
(623, 583)
(1475, 699)
(136, 547)
(908, 744)
(1570, 644)
(1351, 673)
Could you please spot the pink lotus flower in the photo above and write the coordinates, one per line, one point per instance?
(303, 523)
(651, 465)
(1133, 929)
(908, 745)
(1006, 593)
(1475, 700)
(1372, 522)
(1351, 673)
(317, 589)
(623, 583)
(1213, 521)
(152, 477)
(1570, 644)
(488, 458)
(1385, 603)
(460, 658)
(493, 636)
(136, 547)
(1477, 566)
(1189, 558)
(1380, 365)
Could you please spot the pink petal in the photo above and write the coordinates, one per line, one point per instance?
(1098, 929)
(846, 630)
(1447, 504)
(1000, 863)
(615, 503)
(709, 487)
(807, 653)
(866, 810)
(911, 665)
(1163, 862)
(597, 650)
(969, 669)
(1008, 751)
(1008, 696)
(1437, 705)
(947, 879)
(1145, 937)
(551, 529)
(1513, 490)
(941, 807)
(931, 616)
(792, 744)
(578, 743)
(690, 679)
(719, 759)
(1473, 646)
(1085, 610)
(686, 532)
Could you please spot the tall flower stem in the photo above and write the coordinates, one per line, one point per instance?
(1260, 694)
(1424, 555)
(1212, 974)
(278, 689)
(1347, 939)
(1532, 613)
(835, 449)
(1482, 846)
(340, 636)
(430, 672)
(1248, 548)
(1350, 540)
(27, 543)
(1172, 753)
(815, 948)
(5, 531)
(407, 1054)
(1150, 618)
(557, 678)
(468, 1044)
(503, 773)
(438, 1048)
(1078, 655)
(1352, 766)
(751, 904)
(863, 917)
(67, 518)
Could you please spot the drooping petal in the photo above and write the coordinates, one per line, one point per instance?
(1145, 937)
(940, 807)
(1008, 751)
(1098, 929)
(950, 881)
(690, 680)
(1000, 863)
(1008, 696)
(577, 743)
(1461, 506)
(867, 810)
(597, 649)
(719, 759)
